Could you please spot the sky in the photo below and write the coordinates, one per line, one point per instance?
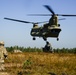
(16, 33)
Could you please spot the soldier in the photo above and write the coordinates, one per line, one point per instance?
(3, 54)
(48, 47)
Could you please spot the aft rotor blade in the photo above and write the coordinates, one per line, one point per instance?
(18, 20)
(50, 9)
(39, 14)
(51, 15)
(68, 15)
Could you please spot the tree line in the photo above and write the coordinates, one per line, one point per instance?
(29, 49)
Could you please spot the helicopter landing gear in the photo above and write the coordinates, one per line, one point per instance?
(57, 39)
(34, 38)
(45, 39)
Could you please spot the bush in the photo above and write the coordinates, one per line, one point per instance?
(27, 63)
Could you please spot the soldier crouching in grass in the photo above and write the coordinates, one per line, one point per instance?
(3, 55)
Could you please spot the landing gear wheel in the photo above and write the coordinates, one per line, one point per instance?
(34, 38)
(57, 39)
(45, 39)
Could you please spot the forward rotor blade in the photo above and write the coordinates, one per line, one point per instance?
(18, 20)
(62, 19)
(41, 22)
(50, 9)
(24, 21)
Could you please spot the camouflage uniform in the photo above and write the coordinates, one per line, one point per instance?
(3, 54)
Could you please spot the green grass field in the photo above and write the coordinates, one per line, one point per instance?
(40, 63)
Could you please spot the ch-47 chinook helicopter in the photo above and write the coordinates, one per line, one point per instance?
(50, 29)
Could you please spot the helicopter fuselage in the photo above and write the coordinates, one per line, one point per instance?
(45, 31)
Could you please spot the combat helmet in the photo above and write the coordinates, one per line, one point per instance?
(1, 42)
